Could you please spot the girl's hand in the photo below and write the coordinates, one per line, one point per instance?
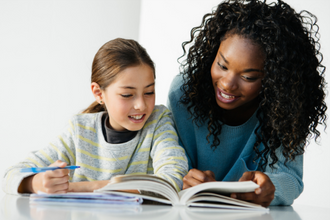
(195, 177)
(87, 186)
(51, 181)
(263, 195)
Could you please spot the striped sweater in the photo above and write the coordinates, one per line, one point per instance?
(154, 150)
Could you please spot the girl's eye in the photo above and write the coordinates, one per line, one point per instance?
(126, 95)
(221, 66)
(150, 93)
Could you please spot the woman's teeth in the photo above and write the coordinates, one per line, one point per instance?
(227, 96)
(137, 117)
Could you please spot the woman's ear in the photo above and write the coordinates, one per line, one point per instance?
(97, 92)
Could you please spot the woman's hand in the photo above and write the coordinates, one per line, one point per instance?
(263, 195)
(51, 181)
(195, 177)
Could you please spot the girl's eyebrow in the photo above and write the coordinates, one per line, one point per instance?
(246, 70)
(130, 87)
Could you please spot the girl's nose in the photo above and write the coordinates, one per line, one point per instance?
(140, 104)
(228, 82)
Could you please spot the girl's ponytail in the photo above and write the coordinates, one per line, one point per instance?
(94, 108)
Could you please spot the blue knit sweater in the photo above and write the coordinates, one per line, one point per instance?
(235, 154)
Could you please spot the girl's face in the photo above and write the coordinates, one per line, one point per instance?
(236, 73)
(130, 98)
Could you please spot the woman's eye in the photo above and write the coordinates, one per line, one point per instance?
(221, 66)
(126, 95)
(250, 78)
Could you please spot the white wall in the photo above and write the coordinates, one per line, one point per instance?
(165, 24)
(46, 51)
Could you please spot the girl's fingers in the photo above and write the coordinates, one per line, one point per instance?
(56, 184)
(201, 176)
(58, 163)
(193, 178)
(189, 181)
(209, 176)
(61, 172)
(58, 180)
(60, 188)
(56, 173)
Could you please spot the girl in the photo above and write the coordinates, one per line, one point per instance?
(122, 132)
(250, 94)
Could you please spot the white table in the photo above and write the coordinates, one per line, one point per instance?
(19, 208)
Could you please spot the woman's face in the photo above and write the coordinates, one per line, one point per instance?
(236, 72)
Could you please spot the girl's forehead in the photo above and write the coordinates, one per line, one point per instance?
(135, 76)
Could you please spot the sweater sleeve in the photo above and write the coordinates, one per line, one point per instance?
(61, 148)
(182, 121)
(287, 179)
(169, 159)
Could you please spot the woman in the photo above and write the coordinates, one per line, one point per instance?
(250, 94)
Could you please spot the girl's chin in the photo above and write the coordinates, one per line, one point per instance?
(135, 127)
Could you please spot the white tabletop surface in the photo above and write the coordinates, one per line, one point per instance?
(18, 208)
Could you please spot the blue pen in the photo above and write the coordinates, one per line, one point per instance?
(44, 169)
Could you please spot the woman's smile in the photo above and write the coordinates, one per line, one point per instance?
(226, 97)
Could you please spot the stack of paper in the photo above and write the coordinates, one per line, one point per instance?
(99, 198)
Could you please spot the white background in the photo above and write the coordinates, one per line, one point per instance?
(46, 52)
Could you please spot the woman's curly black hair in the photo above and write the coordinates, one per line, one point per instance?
(293, 88)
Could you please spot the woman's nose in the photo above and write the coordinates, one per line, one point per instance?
(228, 82)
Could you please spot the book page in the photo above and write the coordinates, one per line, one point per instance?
(143, 183)
(219, 187)
(220, 201)
(128, 177)
(146, 195)
(220, 198)
(81, 197)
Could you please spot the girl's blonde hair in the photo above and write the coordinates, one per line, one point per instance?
(111, 59)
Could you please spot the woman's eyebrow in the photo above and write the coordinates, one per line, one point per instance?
(246, 70)
(226, 61)
(253, 70)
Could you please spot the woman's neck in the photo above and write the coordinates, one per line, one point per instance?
(240, 115)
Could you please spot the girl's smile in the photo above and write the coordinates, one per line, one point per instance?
(137, 118)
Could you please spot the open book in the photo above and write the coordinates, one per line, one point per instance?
(210, 194)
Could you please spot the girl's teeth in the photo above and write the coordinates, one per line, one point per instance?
(227, 96)
(137, 117)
